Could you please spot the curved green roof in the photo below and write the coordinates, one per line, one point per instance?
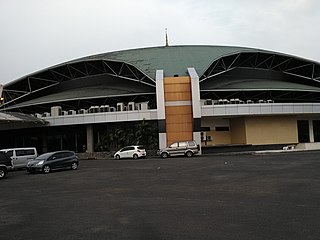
(173, 59)
(214, 64)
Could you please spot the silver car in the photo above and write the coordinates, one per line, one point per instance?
(20, 156)
(134, 152)
(187, 148)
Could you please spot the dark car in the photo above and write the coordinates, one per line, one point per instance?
(53, 160)
(5, 164)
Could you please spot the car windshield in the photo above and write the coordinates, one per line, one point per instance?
(44, 156)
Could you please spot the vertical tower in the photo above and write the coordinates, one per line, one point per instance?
(179, 109)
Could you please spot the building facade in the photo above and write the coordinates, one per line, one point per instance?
(214, 95)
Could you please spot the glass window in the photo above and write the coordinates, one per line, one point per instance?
(9, 153)
(29, 152)
(191, 143)
(125, 149)
(303, 131)
(316, 130)
(25, 152)
(68, 154)
(141, 147)
(222, 129)
(20, 153)
(174, 145)
(57, 156)
(182, 144)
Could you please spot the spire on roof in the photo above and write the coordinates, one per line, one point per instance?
(167, 44)
(1, 98)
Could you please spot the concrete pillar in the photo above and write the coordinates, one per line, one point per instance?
(311, 133)
(196, 106)
(76, 149)
(161, 109)
(61, 142)
(90, 141)
(44, 143)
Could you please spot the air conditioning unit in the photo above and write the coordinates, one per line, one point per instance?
(82, 111)
(56, 111)
(208, 102)
(46, 114)
(120, 107)
(104, 108)
(144, 106)
(237, 101)
(131, 106)
(225, 101)
(93, 109)
(72, 112)
(215, 102)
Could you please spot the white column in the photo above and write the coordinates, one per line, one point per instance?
(311, 134)
(161, 109)
(89, 138)
(195, 91)
(196, 105)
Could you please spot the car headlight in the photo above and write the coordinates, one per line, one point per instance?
(40, 163)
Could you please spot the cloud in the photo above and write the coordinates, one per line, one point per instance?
(41, 33)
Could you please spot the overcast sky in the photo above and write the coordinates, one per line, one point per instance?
(37, 34)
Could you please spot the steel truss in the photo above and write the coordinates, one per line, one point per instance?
(286, 64)
(56, 75)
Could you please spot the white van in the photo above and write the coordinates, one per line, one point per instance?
(20, 156)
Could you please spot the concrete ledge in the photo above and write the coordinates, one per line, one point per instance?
(308, 146)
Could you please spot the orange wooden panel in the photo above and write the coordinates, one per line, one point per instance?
(173, 110)
(179, 119)
(179, 127)
(185, 87)
(184, 96)
(170, 80)
(182, 136)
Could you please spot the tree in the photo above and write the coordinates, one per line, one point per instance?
(143, 133)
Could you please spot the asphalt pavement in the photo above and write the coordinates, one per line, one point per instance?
(245, 196)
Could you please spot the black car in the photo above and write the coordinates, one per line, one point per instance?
(53, 160)
(5, 164)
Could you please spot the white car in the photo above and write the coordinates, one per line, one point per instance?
(134, 152)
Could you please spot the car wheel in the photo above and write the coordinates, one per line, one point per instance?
(135, 156)
(74, 166)
(46, 169)
(164, 155)
(117, 157)
(189, 154)
(3, 173)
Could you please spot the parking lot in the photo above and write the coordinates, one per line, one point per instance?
(272, 196)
